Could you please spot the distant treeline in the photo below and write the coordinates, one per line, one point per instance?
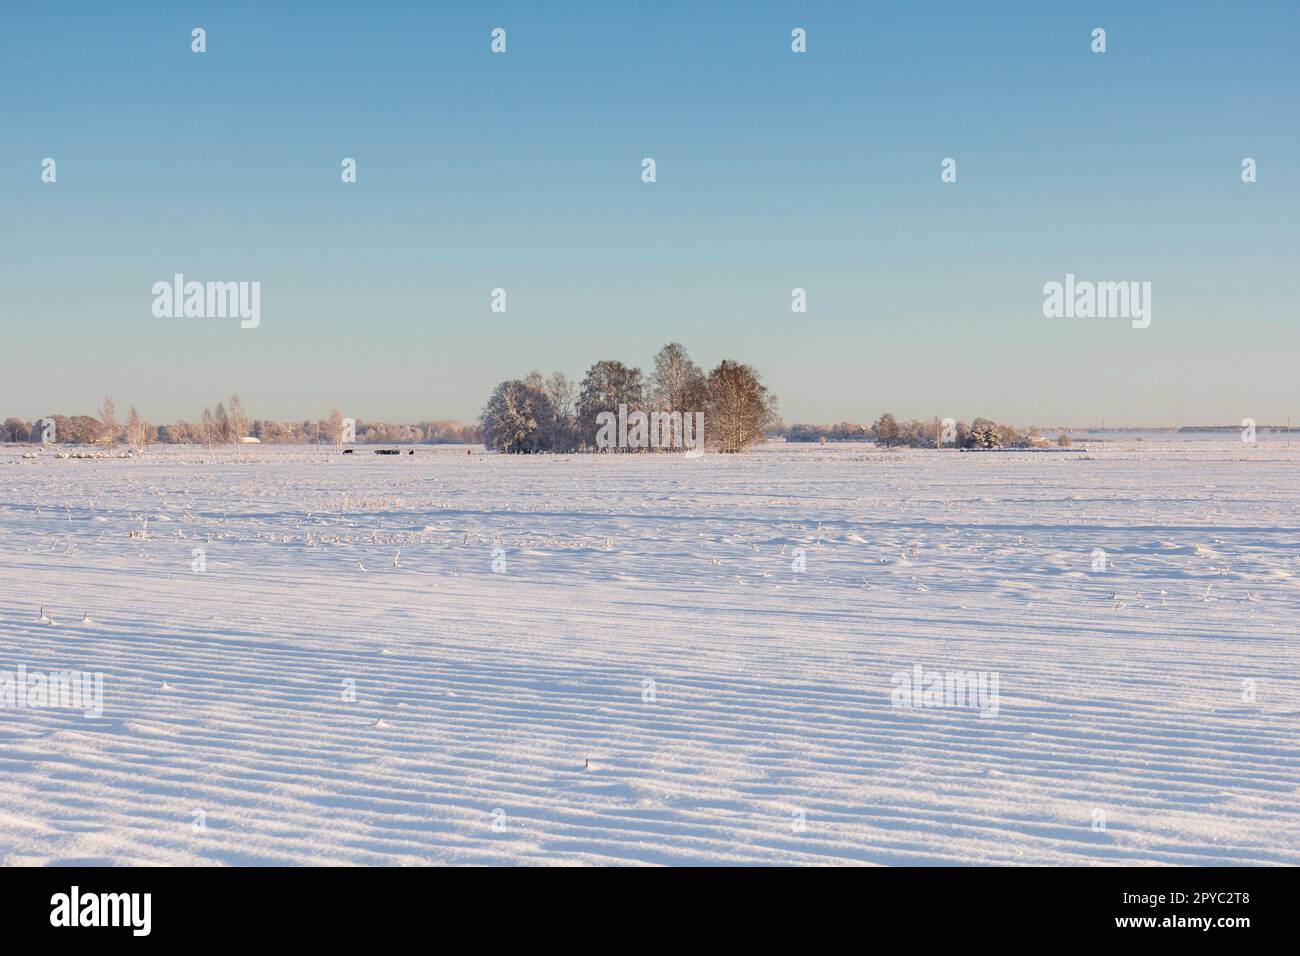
(227, 424)
(920, 434)
(935, 433)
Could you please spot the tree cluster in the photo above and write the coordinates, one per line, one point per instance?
(552, 414)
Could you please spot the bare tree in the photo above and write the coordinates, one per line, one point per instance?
(608, 384)
(208, 427)
(677, 384)
(921, 434)
(564, 399)
(562, 393)
(238, 419)
(136, 429)
(335, 428)
(16, 430)
(221, 419)
(108, 416)
(886, 430)
(740, 407)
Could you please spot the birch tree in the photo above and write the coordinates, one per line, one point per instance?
(108, 416)
(739, 407)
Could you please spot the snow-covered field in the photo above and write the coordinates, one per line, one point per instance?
(500, 619)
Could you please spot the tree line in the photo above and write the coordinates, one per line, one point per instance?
(224, 424)
(935, 433)
(537, 413)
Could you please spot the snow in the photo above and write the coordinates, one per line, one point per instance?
(349, 681)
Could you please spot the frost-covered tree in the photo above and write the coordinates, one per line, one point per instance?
(78, 430)
(137, 429)
(564, 397)
(15, 430)
(740, 408)
(238, 419)
(208, 427)
(272, 431)
(562, 393)
(917, 434)
(886, 431)
(932, 434)
(180, 433)
(221, 423)
(677, 384)
(518, 419)
(335, 428)
(108, 417)
(607, 384)
(985, 434)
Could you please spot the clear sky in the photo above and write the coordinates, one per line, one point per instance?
(775, 170)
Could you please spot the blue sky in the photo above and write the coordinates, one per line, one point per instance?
(775, 171)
